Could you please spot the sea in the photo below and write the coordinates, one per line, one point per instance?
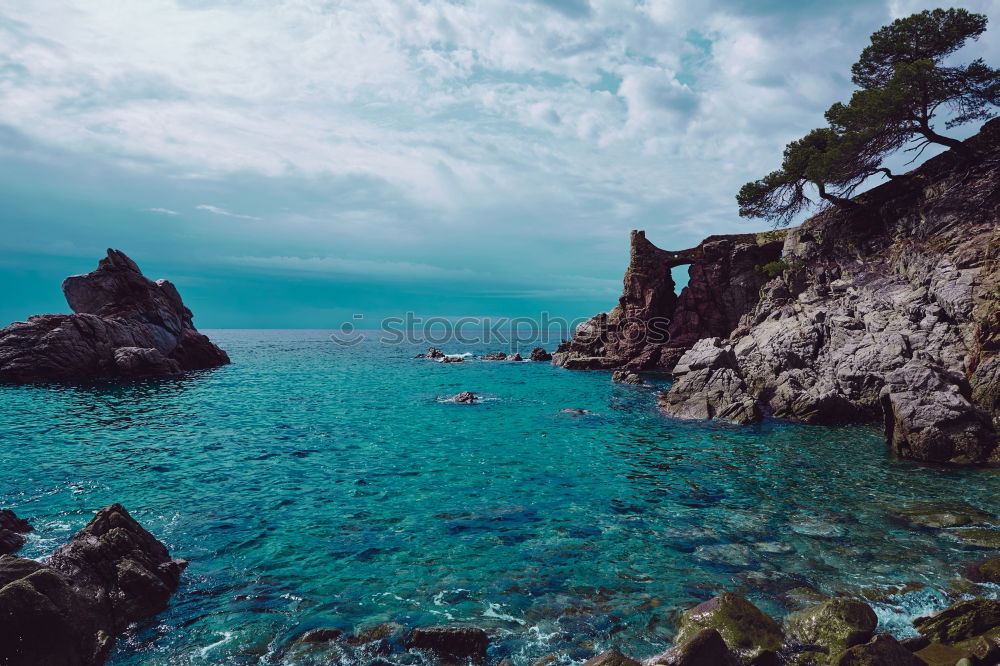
(313, 484)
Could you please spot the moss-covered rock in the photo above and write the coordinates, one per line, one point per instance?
(836, 624)
(938, 654)
(705, 647)
(943, 514)
(964, 620)
(883, 650)
(986, 572)
(752, 635)
(808, 658)
(985, 648)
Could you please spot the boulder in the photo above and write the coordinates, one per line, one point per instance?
(705, 647)
(986, 572)
(929, 416)
(835, 624)
(626, 377)
(752, 635)
(451, 643)
(539, 354)
(883, 650)
(708, 385)
(962, 621)
(11, 530)
(68, 610)
(611, 658)
(937, 654)
(124, 325)
(466, 397)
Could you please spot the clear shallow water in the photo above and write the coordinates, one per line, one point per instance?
(316, 485)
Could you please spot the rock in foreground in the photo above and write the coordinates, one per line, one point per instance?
(68, 610)
(124, 325)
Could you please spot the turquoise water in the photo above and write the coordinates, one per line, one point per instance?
(316, 485)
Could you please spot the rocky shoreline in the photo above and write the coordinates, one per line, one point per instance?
(887, 311)
(124, 326)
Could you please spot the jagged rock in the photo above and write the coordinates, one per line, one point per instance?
(466, 397)
(752, 635)
(496, 356)
(11, 530)
(883, 650)
(67, 610)
(452, 359)
(708, 385)
(515, 357)
(705, 647)
(434, 352)
(611, 658)
(539, 354)
(455, 643)
(929, 416)
(626, 377)
(835, 624)
(908, 276)
(964, 620)
(125, 326)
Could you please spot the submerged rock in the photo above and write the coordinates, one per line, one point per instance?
(986, 572)
(703, 648)
(883, 650)
(836, 624)
(540, 354)
(12, 530)
(455, 643)
(611, 658)
(68, 610)
(124, 326)
(943, 514)
(752, 635)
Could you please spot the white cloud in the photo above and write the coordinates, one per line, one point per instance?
(163, 211)
(215, 210)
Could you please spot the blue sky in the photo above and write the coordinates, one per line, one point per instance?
(291, 163)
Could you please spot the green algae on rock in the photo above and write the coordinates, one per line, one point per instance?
(836, 624)
(751, 634)
(964, 620)
(883, 650)
(938, 515)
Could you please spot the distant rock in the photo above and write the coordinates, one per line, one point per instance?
(11, 530)
(125, 326)
(68, 610)
(452, 643)
(466, 397)
(514, 357)
(539, 354)
(572, 410)
(626, 377)
(434, 352)
(496, 356)
(451, 359)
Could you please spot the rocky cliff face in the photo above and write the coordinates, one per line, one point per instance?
(887, 311)
(124, 325)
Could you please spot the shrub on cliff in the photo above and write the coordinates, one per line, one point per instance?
(903, 84)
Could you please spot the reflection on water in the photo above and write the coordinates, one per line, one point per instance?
(314, 485)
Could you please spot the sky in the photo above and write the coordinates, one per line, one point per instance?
(293, 163)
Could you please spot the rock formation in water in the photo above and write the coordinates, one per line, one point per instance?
(886, 311)
(124, 325)
(68, 609)
(12, 531)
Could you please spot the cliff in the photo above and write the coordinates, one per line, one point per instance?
(124, 325)
(886, 311)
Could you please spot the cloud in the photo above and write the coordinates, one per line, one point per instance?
(358, 267)
(215, 210)
(162, 211)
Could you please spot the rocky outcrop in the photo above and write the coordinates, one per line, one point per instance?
(651, 327)
(626, 377)
(12, 530)
(708, 385)
(68, 610)
(466, 397)
(540, 354)
(124, 325)
(886, 311)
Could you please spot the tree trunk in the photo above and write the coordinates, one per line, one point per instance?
(960, 148)
(839, 202)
